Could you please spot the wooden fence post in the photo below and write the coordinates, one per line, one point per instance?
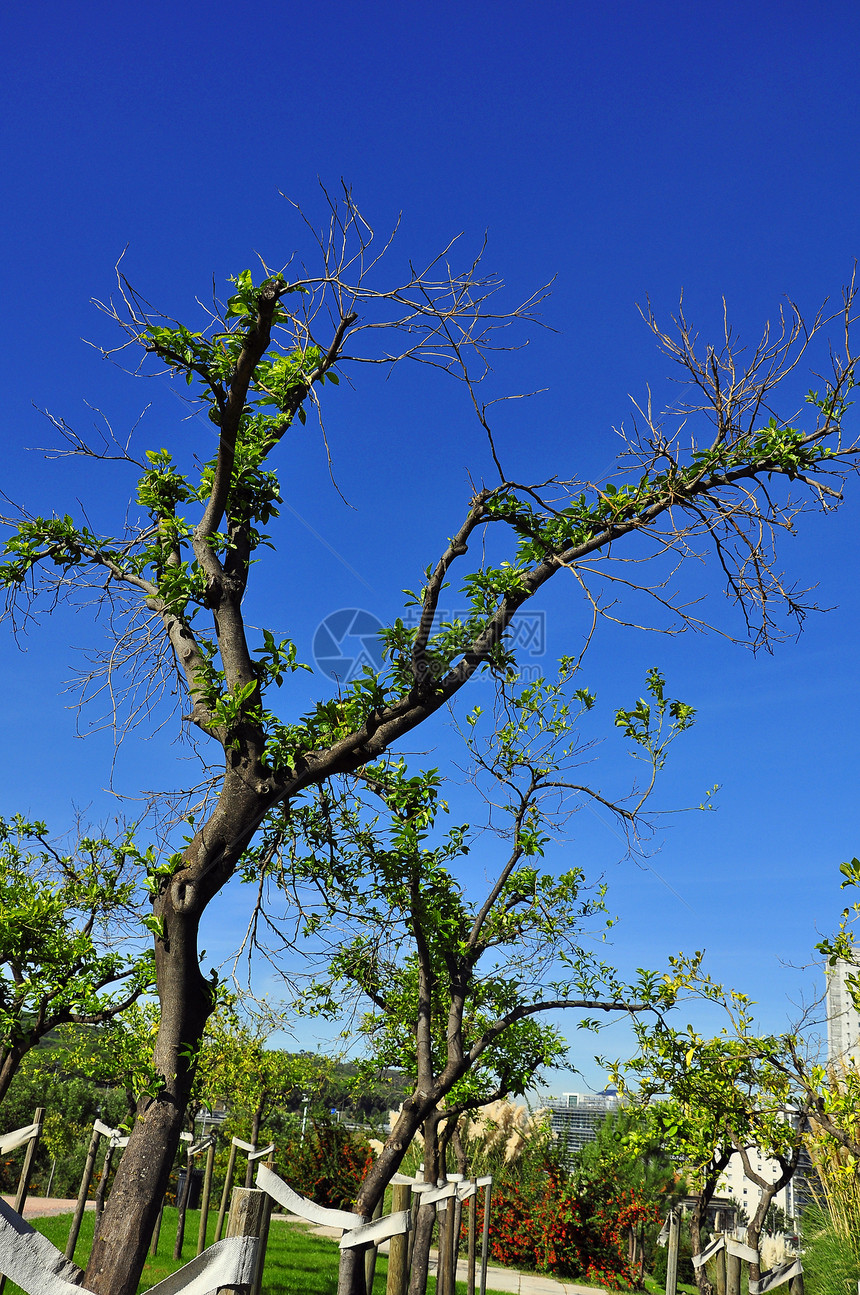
(398, 1252)
(207, 1191)
(247, 1214)
(29, 1157)
(455, 1209)
(264, 1235)
(721, 1257)
(103, 1182)
(371, 1251)
(228, 1187)
(443, 1218)
(733, 1274)
(672, 1253)
(83, 1192)
(26, 1170)
(458, 1228)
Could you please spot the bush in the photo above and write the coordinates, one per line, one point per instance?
(329, 1165)
(573, 1231)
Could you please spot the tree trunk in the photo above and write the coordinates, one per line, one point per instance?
(351, 1269)
(186, 1000)
(120, 1246)
(10, 1060)
(102, 1187)
(255, 1137)
(700, 1210)
(755, 1226)
(426, 1213)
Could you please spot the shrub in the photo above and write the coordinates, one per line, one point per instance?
(329, 1165)
(573, 1231)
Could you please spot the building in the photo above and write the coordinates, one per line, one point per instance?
(843, 1019)
(735, 1185)
(574, 1117)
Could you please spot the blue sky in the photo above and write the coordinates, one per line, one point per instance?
(628, 151)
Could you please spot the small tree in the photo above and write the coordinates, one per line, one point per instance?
(723, 1095)
(49, 1077)
(63, 916)
(237, 1065)
(117, 1056)
(629, 1152)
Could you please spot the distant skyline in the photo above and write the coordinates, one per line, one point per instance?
(624, 153)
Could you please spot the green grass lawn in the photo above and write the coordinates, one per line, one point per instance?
(655, 1288)
(296, 1262)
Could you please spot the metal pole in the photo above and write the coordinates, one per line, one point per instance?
(485, 1239)
(473, 1216)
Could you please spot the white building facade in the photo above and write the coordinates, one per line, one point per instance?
(843, 1019)
(743, 1191)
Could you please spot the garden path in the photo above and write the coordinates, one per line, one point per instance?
(38, 1207)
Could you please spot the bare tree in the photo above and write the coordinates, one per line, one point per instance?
(174, 581)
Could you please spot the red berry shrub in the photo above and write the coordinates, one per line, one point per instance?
(574, 1230)
(328, 1166)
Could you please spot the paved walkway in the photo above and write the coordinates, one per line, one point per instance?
(498, 1279)
(38, 1207)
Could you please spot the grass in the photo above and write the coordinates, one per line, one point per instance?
(831, 1265)
(295, 1260)
(658, 1288)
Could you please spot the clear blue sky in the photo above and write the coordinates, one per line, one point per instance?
(627, 150)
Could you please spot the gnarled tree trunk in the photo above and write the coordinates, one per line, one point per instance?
(186, 999)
